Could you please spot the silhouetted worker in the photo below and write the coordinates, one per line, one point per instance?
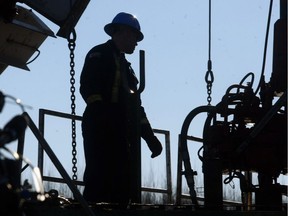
(108, 86)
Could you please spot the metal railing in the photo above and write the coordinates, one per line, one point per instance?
(45, 146)
(167, 190)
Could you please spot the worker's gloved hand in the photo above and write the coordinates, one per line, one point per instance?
(154, 146)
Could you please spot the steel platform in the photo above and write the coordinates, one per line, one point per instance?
(34, 209)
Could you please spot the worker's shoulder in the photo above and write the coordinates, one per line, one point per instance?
(100, 50)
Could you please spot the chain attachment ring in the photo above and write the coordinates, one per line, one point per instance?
(209, 78)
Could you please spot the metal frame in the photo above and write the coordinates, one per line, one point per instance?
(168, 190)
(43, 112)
(45, 146)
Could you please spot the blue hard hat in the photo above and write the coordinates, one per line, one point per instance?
(124, 19)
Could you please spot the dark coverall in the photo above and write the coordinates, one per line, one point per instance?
(107, 82)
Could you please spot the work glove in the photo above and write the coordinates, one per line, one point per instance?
(154, 146)
(148, 135)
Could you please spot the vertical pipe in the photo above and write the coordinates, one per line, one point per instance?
(168, 167)
(279, 68)
(20, 149)
(179, 173)
(213, 188)
(40, 149)
(248, 201)
(135, 139)
(142, 71)
(283, 9)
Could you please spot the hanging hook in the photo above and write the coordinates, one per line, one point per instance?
(72, 35)
(209, 77)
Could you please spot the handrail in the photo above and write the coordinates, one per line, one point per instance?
(57, 164)
(168, 190)
(142, 71)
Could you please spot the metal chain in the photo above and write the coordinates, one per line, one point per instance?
(209, 77)
(72, 45)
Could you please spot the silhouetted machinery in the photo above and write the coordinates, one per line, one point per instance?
(245, 134)
(10, 168)
(23, 32)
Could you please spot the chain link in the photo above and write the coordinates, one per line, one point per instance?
(71, 46)
(209, 78)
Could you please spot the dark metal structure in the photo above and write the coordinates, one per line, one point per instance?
(246, 132)
(22, 32)
(44, 113)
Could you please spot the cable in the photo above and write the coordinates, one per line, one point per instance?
(32, 60)
(17, 101)
(27, 46)
(209, 32)
(209, 77)
(265, 46)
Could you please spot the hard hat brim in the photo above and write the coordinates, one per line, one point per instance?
(109, 29)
